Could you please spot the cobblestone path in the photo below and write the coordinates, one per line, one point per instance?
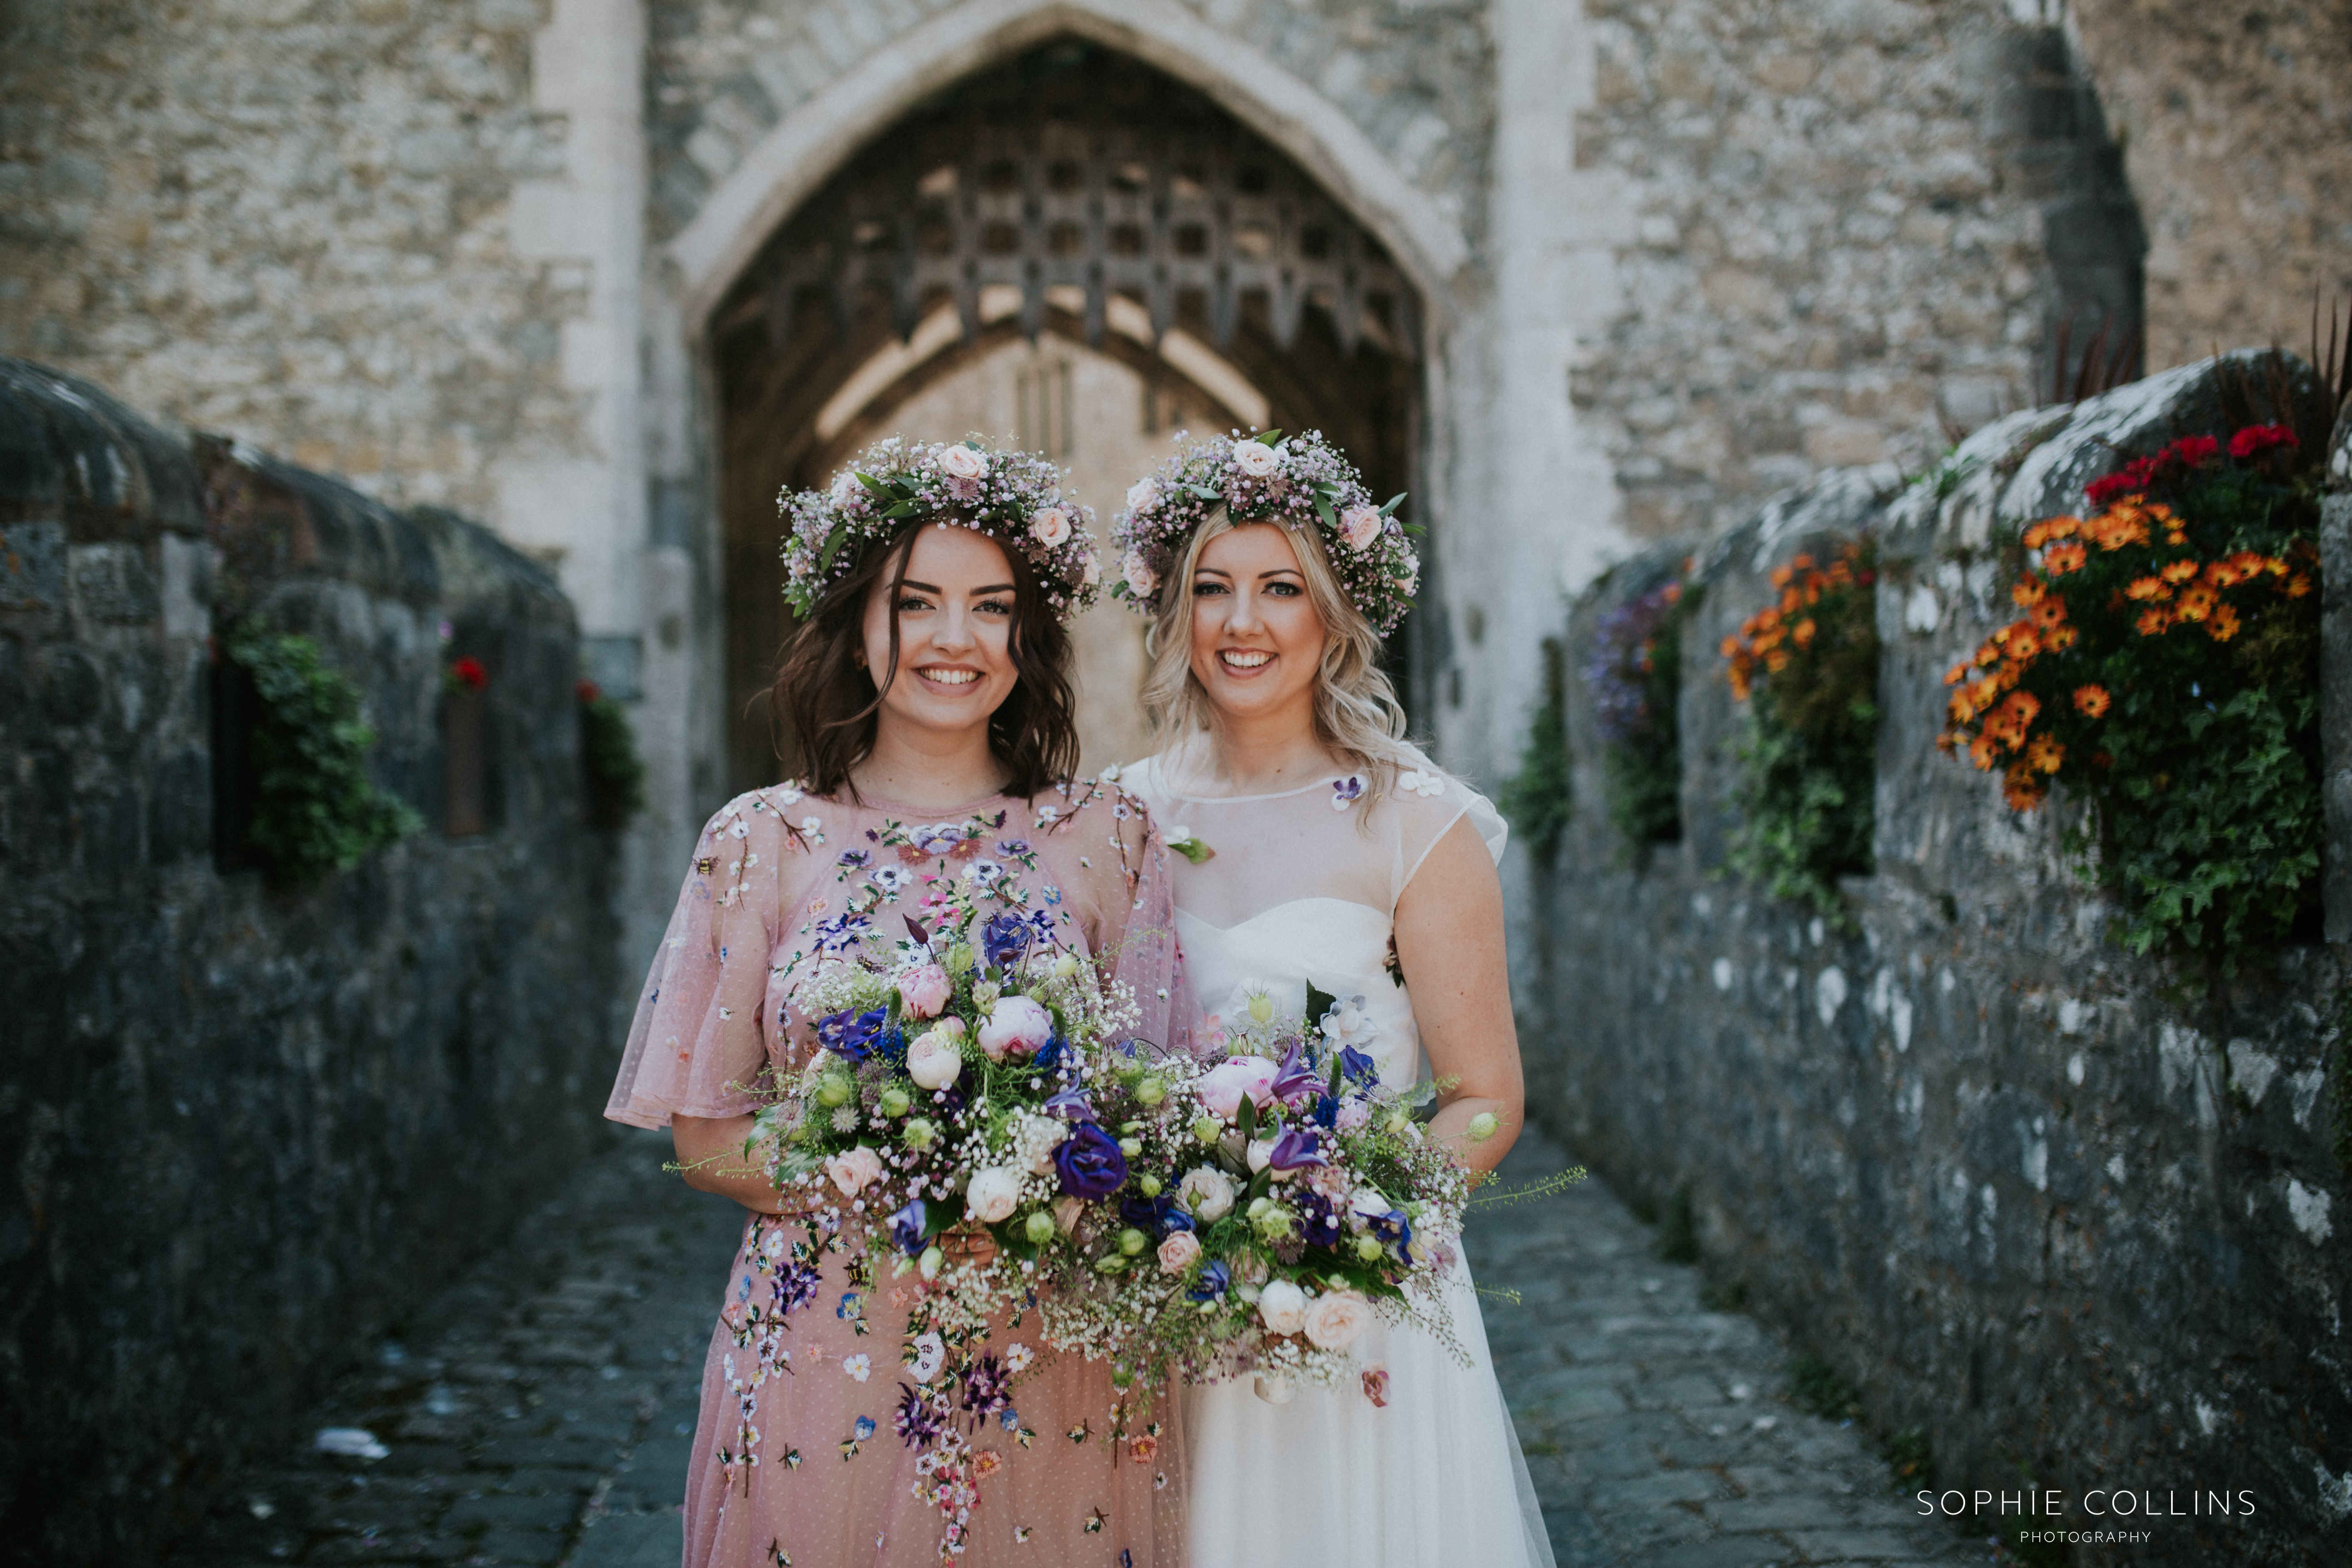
(1658, 1433)
(539, 1412)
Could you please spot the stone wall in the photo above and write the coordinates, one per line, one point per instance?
(245, 1126)
(2067, 1218)
(2246, 220)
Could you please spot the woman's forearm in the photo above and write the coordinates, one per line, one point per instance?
(712, 1151)
(1452, 1127)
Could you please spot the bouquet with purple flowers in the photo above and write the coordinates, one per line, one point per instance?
(1270, 1206)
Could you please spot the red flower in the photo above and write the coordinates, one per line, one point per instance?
(2191, 450)
(2256, 439)
(468, 673)
(588, 691)
(2111, 486)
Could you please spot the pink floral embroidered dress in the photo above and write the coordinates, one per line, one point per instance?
(811, 1450)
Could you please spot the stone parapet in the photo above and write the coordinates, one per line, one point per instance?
(248, 1125)
(2037, 1197)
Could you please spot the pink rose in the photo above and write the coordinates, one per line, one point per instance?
(924, 990)
(854, 1170)
(1176, 1253)
(961, 462)
(1051, 526)
(1016, 1026)
(1142, 494)
(1256, 458)
(1359, 525)
(1139, 577)
(1222, 1085)
(1336, 1318)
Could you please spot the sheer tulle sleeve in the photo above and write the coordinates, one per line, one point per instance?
(1134, 917)
(1429, 803)
(699, 1046)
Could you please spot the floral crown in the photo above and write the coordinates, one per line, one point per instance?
(1013, 498)
(1264, 479)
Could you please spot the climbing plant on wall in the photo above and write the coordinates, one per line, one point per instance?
(2165, 669)
(314, 808)
(1634, 673)
(614, 780)
(1806, 666)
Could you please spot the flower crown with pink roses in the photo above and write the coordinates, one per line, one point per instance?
(1013, 498)
(1264, 479)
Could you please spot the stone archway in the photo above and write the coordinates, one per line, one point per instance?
(1068, 194)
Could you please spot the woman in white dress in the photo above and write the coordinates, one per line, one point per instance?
(1326, 849)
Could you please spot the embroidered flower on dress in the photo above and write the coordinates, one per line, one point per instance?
(860, 1366)
(855, 859)
(890, 879)
(1421, 784)
(1346, 791)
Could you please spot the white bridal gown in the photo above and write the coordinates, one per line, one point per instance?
(1302, 886)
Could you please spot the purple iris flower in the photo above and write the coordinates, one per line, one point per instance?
(907, 1227)
(1319, 1218)
(1327, 1111)
(1006, 938)
(1160, 1216)
(1090, 1162)
(1297, 1148)
(1294, 1078)
(1394, 1229)
(1356, 1067)
(853, 1034)
(1071, 1105)
(1215, 1280)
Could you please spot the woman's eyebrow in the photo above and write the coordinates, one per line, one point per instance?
(918, 587)
(1282, 571)
(993, 588)
(1211, 571)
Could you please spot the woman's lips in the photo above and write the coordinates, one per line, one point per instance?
(1243, 662)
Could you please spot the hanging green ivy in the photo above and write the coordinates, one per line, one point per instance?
(1539, 798)
(613, 779)
(315, 810)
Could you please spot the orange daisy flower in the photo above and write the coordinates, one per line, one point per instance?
(2061, 559)
(2046, 754)
(2154, 622)
(2059, 638)
(1984, 751)
(2179, 571)
(2298, 585)
(2224, 624)
(2024, 644)
(2049, 611)
(1731, 647)
(1783, 575)
(1802, 633)
(2037, 536)
(2026, 592)
(2148, 588)
(2197, 602)
(2092, 700)
(1952, 677)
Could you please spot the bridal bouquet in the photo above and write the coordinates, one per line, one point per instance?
(1275, 1202)
(948, 1103)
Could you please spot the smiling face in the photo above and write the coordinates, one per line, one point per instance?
(1258, 639)
(955, 613)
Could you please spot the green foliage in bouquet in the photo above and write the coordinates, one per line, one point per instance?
(1807, 667)
(315, 808)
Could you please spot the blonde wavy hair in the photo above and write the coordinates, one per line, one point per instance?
(1357, 713)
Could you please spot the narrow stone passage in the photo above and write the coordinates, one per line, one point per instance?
(1659, 1433)
(540, 1410)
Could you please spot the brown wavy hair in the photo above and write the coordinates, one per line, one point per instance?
(831, 706)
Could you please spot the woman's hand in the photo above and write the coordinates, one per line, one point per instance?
(1449, 937)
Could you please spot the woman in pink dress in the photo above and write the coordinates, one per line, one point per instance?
(950, 570)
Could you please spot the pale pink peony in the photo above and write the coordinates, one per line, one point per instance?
(1176, 1253)
(855, 1170)
(1359, 526)
(924, 989)
(1355, 1115)
(933, 1059)
(1222, 1085)
(1092, 573)
(1016, 1026)
(1336, 1318)
(1050, 527)
(1283, 1306)
(993, 1194)
(961, 462)
(1142, 494)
